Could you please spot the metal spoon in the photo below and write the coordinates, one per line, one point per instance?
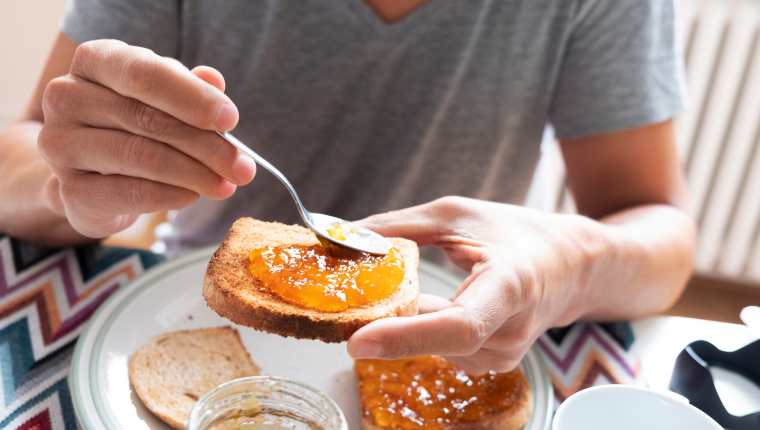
(355, 237)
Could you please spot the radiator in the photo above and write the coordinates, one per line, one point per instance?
(718, 137)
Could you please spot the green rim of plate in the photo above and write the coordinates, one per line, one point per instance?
(547, 385)
(127, 293)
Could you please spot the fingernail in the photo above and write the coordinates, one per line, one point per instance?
(227, 117)
(366, 349)
(243, 170)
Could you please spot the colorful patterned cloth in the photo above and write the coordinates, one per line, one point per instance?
(47, 295)
(587, 354)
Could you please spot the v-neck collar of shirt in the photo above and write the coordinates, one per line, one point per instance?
(397, 29)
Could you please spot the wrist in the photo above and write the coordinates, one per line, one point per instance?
(27, 211)
(588, 248)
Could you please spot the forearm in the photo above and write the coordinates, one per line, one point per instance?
(642, 266)
(24, 210)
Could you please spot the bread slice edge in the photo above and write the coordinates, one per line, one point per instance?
(232, 292)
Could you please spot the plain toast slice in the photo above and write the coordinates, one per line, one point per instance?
(231, 290)
(171, 371)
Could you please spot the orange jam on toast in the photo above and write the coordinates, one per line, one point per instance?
(430, 393)
(328, 279)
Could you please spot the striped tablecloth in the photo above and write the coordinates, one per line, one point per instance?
(47, 295)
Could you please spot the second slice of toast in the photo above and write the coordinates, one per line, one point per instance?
(231, 290)
(171, 371)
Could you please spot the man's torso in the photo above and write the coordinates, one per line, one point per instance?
(364, 116)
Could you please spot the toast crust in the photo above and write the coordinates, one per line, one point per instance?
(231, 290)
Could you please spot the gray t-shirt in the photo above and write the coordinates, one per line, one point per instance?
(365, 117)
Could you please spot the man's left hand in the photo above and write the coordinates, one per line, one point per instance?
(527, 272)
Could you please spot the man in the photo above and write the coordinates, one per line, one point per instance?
(371, 106)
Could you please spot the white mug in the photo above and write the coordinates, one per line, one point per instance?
(624, 407)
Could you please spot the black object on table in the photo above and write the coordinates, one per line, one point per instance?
(692, 379)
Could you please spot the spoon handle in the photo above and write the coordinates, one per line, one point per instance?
(265, 164)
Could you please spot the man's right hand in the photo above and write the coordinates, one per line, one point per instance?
(128, 132)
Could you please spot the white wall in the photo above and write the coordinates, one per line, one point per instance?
(27, 31)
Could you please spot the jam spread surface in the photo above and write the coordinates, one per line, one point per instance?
(327, 278)
(430, 393)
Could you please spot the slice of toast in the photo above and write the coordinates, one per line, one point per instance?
(412, 393)
(171, 371)
(231, 290)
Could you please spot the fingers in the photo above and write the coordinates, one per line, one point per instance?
(54, 196)
(83, 103)
(451, 331)
(448, 219)
(98, 206)
(129, 132)
(157, 81)
(466, 257)
(457, 330)
(504, 349)
(429, 303)
(486, 360)
(418, 223)
(210, 76)
(112, 152)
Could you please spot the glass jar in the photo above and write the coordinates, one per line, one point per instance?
(265, 403)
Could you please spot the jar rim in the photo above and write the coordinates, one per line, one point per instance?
(195, 413)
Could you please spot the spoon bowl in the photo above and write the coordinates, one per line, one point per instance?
(329, 229)
(356, 237)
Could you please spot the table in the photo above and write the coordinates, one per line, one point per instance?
(46, 296)
(661, 339)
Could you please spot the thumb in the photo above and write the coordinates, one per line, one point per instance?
(457, 329)
(435, 333)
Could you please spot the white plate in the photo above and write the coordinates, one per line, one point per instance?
(168, 298)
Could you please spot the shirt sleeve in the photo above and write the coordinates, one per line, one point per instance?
(621, 68)
(152, 24)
